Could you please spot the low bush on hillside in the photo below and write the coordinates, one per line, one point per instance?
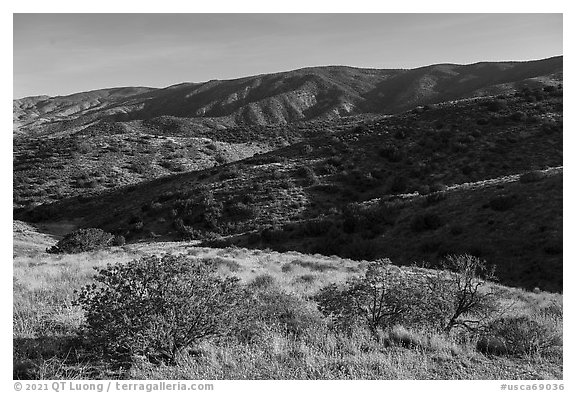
(387, 296)
(518, 335)
(230, 172)
(160, 308)
(200, 209)
(391, 153)
(88, 239)
(308, 174)
(503, 202)
(173, 166)
(496, 105)
(157, 307)
(281, 311)
(242, 211)
(425, 222)
(382, 298)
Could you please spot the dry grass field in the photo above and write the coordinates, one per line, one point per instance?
(47, 324)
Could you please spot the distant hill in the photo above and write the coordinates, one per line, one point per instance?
(309, 93)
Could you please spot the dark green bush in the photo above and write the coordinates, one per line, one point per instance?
(156, 307)
(82, 240)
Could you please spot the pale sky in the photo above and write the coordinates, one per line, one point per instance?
(59, 54)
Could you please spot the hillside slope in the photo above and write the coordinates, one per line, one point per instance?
(46, 324)
(318, 92)
(305, 196)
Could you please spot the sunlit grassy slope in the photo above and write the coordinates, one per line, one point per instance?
(46, 323)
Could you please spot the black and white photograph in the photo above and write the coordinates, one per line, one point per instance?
(287, 196)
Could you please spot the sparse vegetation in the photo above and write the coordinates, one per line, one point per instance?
(324, 204)
(84, 240)
(273, 326)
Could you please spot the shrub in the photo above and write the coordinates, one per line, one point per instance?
(496, 105)
(405, 338)
(263, 281)
(313, 265)
(140, 167)
(241, 211)
(391, 153)
(315, 227)
(519, 335)
(273, 235)
(388, 295)
(425, 222)
(118, 240)
(519, 116)
(329, 169)
(382, 298)
(307, 174)
(82, 240)
(438, 187)
(156, 307)
(434, 198)
(282, 311)
(217, 262)
(459, 290)
(397, 184)
(503, 202)
(230, 172)
(173, 166)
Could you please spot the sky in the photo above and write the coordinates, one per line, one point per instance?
(59, 54)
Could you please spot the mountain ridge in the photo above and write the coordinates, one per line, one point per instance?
(324, 92)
